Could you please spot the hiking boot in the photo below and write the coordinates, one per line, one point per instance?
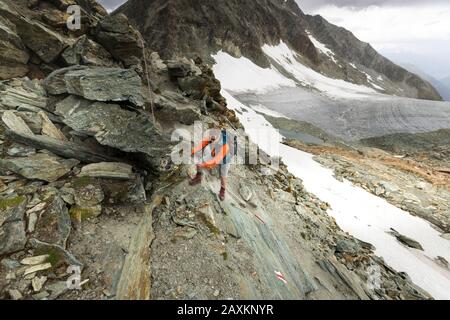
(222, 194)
(196, 180)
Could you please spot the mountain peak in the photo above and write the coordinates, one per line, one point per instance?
(242, 28)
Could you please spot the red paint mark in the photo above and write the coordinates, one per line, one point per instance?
(281, 277)
(259, 218)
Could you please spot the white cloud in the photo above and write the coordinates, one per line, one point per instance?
(405, 32)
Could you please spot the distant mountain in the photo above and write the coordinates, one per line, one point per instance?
(442, 86)
(242, 28)
(446, 81)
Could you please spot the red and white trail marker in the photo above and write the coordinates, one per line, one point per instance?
(280, 277)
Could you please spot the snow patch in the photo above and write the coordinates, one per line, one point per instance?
(358, 212)
(285, 57)
(262, 109)
(322, 47)
(242, 75)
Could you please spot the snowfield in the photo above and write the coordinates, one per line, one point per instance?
(357, 211)
(242, 75)
(350, 111)
(322, 48)
(285, 57)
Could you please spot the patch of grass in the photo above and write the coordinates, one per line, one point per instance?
(55, 257)
(81, 182)
(225, 255)
(80, 214)
(6, 203)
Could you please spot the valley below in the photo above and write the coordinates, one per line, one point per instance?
(358, 118)
(380, 162)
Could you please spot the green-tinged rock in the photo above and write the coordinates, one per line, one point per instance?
(87, 52)
(80, 214)
(14, 55)
(12, 225)
(106, 84)
(57, 255)
(122, 129)
(41, 166)
(54, 224)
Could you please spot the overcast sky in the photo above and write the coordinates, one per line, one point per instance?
(407, 31)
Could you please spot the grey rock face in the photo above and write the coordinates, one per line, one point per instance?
(121, 129)
(106, 84)
(108, 170)
(12, 225)
(347, 246)
(13, 56)
(45, 43)
(87, 52)
(54, 224)
(16, 123)
(406, 240)
(19, 94)
(179, 69)
(63, 255)
(345, 45)
(39, 166)
(219, 26)
(118, 37)
(55, 84)
(171, 110)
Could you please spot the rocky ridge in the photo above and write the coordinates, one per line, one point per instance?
(86, 181)
(188, 28)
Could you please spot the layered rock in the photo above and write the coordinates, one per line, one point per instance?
(185, 28)
(105, 84)
(87, 52)
(120, 39)
(13, 56)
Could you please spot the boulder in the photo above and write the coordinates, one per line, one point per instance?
(41, 166)
(14, 55)
(54, 18)
(406, 240)
(55, 83)
(59, 256)
(157, 63)
(347, 246)
(24, 94)
(45, 43)
(88, 199)
(182, 68)
(105, 84)
(87, 52)
(245, 192)
(49, 129)
(169, 110)
(15, 123)
(115, 33)
(54, 224)
(122, 129)
(12, 225)
(108, 170)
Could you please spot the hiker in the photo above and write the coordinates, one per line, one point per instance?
(218, 150)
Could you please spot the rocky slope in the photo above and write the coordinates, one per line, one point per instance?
(86, 182)
(188, 28)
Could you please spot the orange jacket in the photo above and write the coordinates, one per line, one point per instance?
(218, 158)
